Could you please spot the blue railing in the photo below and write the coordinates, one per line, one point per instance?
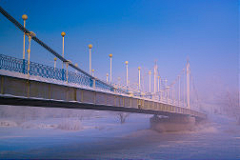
(21, 66)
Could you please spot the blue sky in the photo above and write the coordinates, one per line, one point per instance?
(139, 31)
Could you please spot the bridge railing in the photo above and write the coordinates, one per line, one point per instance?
(13, 64)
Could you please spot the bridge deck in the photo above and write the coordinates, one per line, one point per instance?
(21, 91)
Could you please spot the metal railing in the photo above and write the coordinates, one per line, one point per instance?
(13, 64)
(35, 69)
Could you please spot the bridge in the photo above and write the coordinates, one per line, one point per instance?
(26, 83)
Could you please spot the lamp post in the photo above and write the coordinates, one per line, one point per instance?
(90, 57)
(179, 90)
(30, 35)
(110, 56)
(107, 77)
(149, 73)
(158, 87)
(165, 85)
(76, 66)
(167, 88)
(24, 17)
(63, 35)
(119, 81)
(93, 72)
(68, 62)
(139, 79)
(188, 84)
(55, 63)
(126, 62)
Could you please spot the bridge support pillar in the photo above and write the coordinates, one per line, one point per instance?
(172, 123)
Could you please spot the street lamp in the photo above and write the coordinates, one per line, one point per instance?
(24, 17)
(63, 35)
(179, 90)
(167, 90)
(159, 86)
(68, 62)
(110, 56)
(139, 79)
(119, 81)
(55, 63)
(107, 77)
(188, 84)
(30, 35)
(76, 66)
(126, 62)
(165, 85)
(90, 58)
(93, 72)
(149, 73)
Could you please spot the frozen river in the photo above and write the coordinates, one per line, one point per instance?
(103, 137)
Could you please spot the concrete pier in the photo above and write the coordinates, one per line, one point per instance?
(172, 124)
